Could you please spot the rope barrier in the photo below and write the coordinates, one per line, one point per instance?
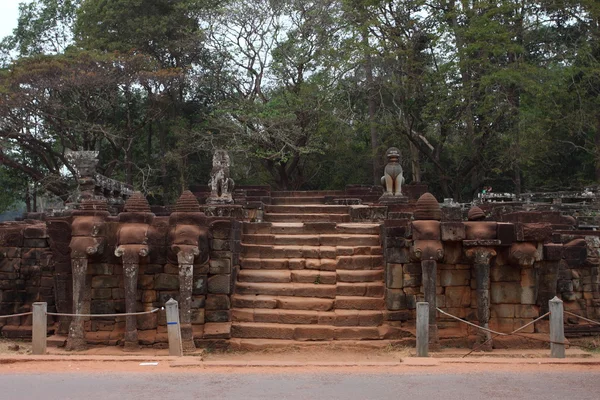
(583, 318)
(477, 347)
(475, 325)
(16, 315)
(105, 315)
(513, 333)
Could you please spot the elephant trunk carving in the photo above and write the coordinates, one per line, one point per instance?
(87, 240)
(189, 245)
(132, 239)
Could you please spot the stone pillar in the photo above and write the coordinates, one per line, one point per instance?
(76, 338)
(428, 249)
(429, 268)
(130, 275)
(482, 257)
(87, 239)
(186, 279)
(189, 244)
(132, 239)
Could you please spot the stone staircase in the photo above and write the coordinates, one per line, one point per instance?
(307, 273)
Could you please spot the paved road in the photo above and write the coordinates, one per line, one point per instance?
(319, 384)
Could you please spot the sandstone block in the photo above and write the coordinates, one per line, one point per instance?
(553, 251)
(481, 230)
(453, 252)
(199, 285)
(101, 294)
(453, 231)
(145, 282)
(149, 296)
(458, 296)
(35, 243)
(397, 255)
(505, 292)
(502, 310)
(218, 302)
(10, 252)
(505, 273)
(105, 281)
(535, 232)
(528, 295)
(220, 266)
(147, 321)
(454, 278)
(412, 280)
(395, 299)
(221, 229)
(527, 311)
(395, 276)
(217, 316)
(426, 230)
(166, 282)
(528, 277)
(219, 284)
(172, 269)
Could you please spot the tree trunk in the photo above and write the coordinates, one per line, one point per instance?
(414, 163)
(372, 107)
(597, 149)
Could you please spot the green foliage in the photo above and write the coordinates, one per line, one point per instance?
(305, 94)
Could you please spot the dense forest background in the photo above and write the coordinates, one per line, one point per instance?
(304, 94)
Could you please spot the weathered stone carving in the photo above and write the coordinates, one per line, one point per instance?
(88, 239)
(481, 257)
(132, 243)
(475, 214)
(221, 185)
(428, 249)
(393, 179)
(92, 185)
(523, 254)
(84, 163)
(189, 243)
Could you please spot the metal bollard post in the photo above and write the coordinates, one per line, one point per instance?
(557, 328)
(39, 328)
(173, 328)
(422, 329)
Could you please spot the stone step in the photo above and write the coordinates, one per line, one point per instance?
(274, 217)
(305, 332)
(297, 200)
(299, 228)
(359, 275)
(307, 193)
(399, 337)
(335, 318)
(307, 208)
(312, 240)
(284, 276)
(281, 302)
(360, 262)
(290, 251)
(363, 289)
(286, 289)
(288, 302)
(358, 303)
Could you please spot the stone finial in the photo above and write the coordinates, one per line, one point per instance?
(428, 208)
(187, 202)
(476, 214)
(93, 205)
(137, 203)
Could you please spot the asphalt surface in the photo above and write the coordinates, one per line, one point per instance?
(487, 384)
